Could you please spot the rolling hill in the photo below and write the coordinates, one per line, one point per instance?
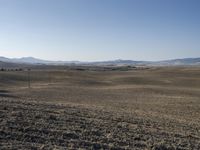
(35, 61)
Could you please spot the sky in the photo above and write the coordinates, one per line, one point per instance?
(95, 30)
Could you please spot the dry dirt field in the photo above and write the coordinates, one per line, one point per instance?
(155, 108)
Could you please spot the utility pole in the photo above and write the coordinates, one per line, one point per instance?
(29, 79)
(49, 75)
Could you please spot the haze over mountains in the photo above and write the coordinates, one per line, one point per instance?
(35, 61)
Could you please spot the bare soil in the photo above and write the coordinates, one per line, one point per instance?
(153, 108)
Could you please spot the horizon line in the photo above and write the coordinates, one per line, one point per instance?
(99, 60)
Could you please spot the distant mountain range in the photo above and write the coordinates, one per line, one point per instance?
(35, 61)
(32, 60)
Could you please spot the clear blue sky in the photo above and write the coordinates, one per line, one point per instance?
(90, 30)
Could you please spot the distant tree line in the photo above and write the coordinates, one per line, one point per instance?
(15, 69)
